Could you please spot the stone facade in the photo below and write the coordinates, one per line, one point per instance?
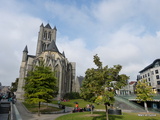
(78, 83)
(49, 53)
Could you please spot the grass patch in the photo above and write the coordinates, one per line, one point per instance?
(81, 103)
(102, 116)
(44, 108)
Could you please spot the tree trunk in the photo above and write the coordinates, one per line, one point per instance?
(106, 112)
(39, 108)
(145, 106)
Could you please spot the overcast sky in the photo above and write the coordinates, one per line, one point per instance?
(125, 32)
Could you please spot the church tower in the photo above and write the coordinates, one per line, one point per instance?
(45, 37)
(47, 51)
(22, 74)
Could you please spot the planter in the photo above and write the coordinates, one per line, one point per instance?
(114, 111)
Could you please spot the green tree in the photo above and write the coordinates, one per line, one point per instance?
(14, 85)
(144, 92)
(99, 84)
(40, 85)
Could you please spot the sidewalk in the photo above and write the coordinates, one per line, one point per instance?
(26, 115)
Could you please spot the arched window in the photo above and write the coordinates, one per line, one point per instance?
(45, 35)
(49, 36)
(44, 47)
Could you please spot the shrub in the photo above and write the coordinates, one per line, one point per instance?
(72, 95)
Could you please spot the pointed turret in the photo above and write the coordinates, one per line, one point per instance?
(25, 49)
(52, 47)
(42, 25)
(25, 53)
(63, 54)
(55, 28)
(48, 26)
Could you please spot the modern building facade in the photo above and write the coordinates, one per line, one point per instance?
(152, 74)
(52, 57)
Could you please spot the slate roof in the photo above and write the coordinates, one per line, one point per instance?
(25, 49)
(149, 66)
(32, 56)
(52, 47)
(42, 25)
(55, 28)
(48, 26)
(63, 54)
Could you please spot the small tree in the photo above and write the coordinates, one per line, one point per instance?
(99, 84)
(40, 85)
(144, 92)
(14, 85)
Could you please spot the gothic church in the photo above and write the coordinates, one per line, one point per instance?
(48, 51)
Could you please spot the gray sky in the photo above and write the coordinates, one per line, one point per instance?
(125, 32)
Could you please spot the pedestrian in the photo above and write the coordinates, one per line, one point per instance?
(59, 102)
(76, 106)
(92, 107)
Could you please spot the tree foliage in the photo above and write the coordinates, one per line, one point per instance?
(144, 92)
(99, 84)
(72, 95)
(14, 85)
(40, 85)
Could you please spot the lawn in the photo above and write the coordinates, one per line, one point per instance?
(81, 103)
(102, 116)
(44, 108)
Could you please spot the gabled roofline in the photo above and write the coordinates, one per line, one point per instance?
(52, 47)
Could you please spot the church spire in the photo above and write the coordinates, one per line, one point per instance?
(25, 54)
(25, 49)
(55, 28)
(42, 25)
(48, 26)
(63, 54)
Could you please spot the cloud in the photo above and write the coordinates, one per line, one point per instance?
(122, 32)
(113, 11)
(68, 13)
(17, 31)
(76, 51)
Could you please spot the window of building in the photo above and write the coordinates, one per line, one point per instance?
(148, 74)
(145, 75)
(152, 72)
(156, 64)
(149, 84)
(45, 35)
(158, 82)
(156, 71)
(148, 79)
(157, 76)
(49, 36)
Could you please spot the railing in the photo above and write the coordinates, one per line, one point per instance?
(6, 110)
